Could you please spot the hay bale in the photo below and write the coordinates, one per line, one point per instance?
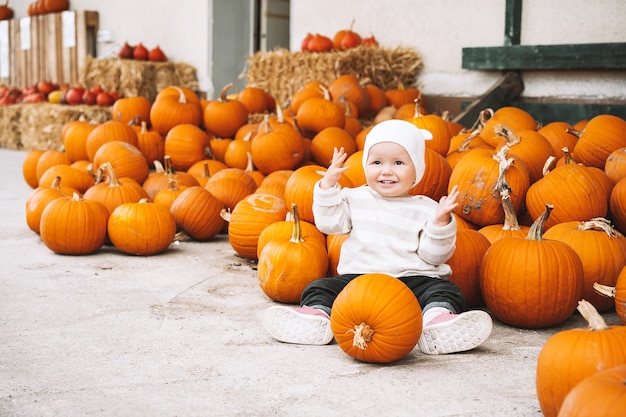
(133, 78)
(41, 123)
(10, 126)
(282, 73)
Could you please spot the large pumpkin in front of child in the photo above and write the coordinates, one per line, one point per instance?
(376, 318)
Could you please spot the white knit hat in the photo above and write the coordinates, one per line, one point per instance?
(405, 134)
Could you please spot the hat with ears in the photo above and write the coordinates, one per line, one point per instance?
(405, 134)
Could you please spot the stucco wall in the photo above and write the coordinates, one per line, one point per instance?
(437, 29)
(440, 29)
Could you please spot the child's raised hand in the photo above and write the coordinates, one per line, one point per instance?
(446, 205)
(334, 171)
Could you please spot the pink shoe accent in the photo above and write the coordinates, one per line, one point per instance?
(441, 318)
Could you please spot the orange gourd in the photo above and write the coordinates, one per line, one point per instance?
(49, 159)
(126, 159)
(602, 135)
(175, 105)
(186, 144)
(465, 263)
(141, 228)
(197, 213)
(248, 219)
(349, 87)
(135, 109)
(324, 142)
(254, 98)
(39, 199)
(602, 251)
(274, 183)
(230, 186)
(434, 183)
(316, 114)
(112, 190)
(159, 179)
(477, 175)
(74, 226)
(287, 264)
(570, 356)
(71, 177)
(109, 131)
(601, 394)
(151, 144)
(74, 137)
(223, 116)
(511, 118)
(531, 282)
(376, 318)
(278, 147)
(29, 167)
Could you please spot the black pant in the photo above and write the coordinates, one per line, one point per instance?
(429, 291)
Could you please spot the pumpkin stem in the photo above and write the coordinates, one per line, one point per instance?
(604, 290)
(223, 93)
(536, 230)
(510, 137)
(144, 127)
(158, 166)
(182, 98)
(56, 184)
(296, 233)
(546, 167)
(567, 156)
(418, 104)
(362, 334)
(601, 224)
(594, 319)
(510, 217)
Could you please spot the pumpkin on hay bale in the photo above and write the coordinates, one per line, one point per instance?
(383, 67)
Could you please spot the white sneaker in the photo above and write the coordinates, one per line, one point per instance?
(303, 325)
(450, 333)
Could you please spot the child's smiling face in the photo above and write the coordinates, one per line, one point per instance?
(389, 170)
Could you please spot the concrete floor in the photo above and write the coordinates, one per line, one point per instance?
(179, 334)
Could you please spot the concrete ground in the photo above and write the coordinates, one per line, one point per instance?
(180, 334)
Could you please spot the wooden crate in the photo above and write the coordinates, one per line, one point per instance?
(51, 47)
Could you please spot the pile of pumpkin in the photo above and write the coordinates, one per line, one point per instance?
(541, 215)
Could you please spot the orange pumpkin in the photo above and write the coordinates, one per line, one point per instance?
(601, 394)
(376, 318)
(333, 247)
(465, 263)
(39, 199)
(132, 109)
(49, 159)
(112, 190)
(274, 183)
(74, 226)
(108, 132)
(349, 87)
(29, 167)
(224, 116)
(71, 177)
(197, 213)
(618, 292)
(531, 282)
(615, 166)
(401, 95)
(276, 148)
(254, 98)
(559, 135)
(287, 264)
(511, 118)
(570, 356)
(324, 142)
(316, 114)
(74, 137)
(126, 159)
(602, 135)
(160, 178)
(565, 187)
(186, 144)
(175, 105)
(435, 124)
(230, 186)
(151, 144)
(602, 251)
(248, 219)
(434, 183)
(477, 175)
(528, 146)
(141, 228)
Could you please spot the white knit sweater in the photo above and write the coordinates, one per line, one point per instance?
(395, 236)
